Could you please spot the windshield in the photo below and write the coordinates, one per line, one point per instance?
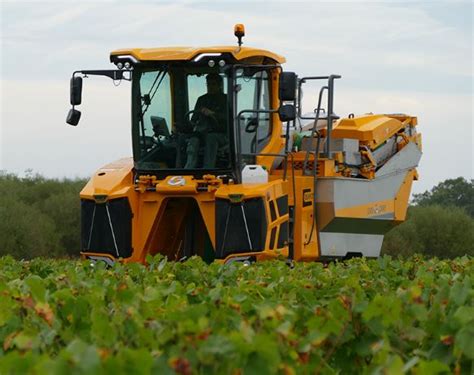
(181, 119)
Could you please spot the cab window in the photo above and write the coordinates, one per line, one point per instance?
(197, 87)
(197, 136)
(155, 86)
(254, 94)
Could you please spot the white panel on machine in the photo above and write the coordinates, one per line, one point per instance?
(340, 244)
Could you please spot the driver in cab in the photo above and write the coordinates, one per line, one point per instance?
(210, 118)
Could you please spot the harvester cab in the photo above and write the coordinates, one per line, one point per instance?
(224, 168)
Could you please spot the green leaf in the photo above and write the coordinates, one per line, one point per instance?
(465, 341)
(103, 332)
(23, 341)
(395, 366)
(215, 348)
(464, 314)
(7, 309)
(84, 356)
(387, 308)
(36, 287)
(264, 358)
(459, 292)
(431, 368)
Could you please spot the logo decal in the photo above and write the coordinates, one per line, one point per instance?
(307, 197)
(177, 181)
(376, 210)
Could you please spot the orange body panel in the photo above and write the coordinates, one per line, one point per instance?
(188, 53)
(372, 130)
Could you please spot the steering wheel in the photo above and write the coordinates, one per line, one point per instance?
(200, 114)
(188, 125)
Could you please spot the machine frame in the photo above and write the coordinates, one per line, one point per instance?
(314, 205)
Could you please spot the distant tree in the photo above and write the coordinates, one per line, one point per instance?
(25, 232)
(454, 192)
(39, 216)
(445, 232)
(59, 200)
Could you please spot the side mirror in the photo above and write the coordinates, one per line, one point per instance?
(73, 117)
(76, 90)
(287, 86)
(287, 112)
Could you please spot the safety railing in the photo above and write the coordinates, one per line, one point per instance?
(330, 106)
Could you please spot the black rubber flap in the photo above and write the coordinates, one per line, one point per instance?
(107, 227)
(233, 220)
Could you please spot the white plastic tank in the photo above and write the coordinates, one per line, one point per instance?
(254, 174)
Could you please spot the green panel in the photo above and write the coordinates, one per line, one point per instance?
(359, 226)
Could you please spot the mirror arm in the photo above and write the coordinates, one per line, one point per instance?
(113, 74)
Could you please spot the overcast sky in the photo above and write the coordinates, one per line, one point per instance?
(407, 57)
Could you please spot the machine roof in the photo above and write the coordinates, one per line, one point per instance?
(188, 53)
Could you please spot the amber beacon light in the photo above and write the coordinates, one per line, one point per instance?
(239, 32)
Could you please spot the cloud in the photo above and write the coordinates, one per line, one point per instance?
(394, 57)
(368, 35)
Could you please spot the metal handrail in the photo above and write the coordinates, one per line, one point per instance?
(314, 129)
(330, 105)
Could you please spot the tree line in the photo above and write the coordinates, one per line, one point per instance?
(440, 222)
(41, 217)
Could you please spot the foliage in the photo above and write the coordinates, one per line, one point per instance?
(456, 192)
(25, 230)
(40, 217)
(362, 316)
(445, 232)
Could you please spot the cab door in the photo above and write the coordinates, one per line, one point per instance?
(254, 123)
